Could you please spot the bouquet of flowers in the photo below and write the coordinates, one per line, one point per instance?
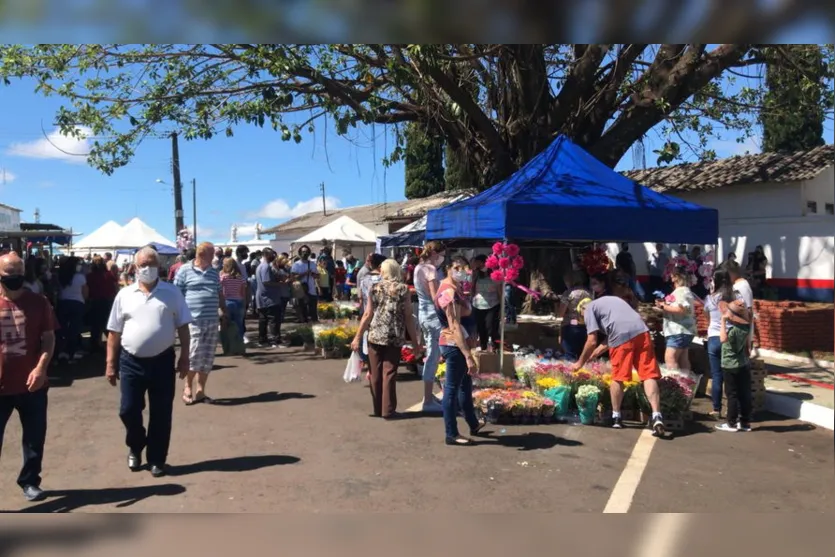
(185, 240)
(587, 399)
(493, 381)
(407, 355)
(505, 262)
(326, 310)
(596, 261)
(546, 383)
(682, 264)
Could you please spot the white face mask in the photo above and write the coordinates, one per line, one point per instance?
(461, 276)
(147, 275)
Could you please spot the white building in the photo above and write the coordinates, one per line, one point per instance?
(783, 202)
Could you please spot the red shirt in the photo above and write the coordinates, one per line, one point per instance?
(22, 322)
(102, 285)
(172, 272)
(341, 274)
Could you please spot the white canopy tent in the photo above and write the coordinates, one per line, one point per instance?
(136, 234)
(100, 239)
(343, 232)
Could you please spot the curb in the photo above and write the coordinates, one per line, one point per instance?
(802, 410)
(763, 352)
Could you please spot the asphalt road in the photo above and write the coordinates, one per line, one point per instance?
(289, 435)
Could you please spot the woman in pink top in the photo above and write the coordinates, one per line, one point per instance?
(457, 336)
(234, 289)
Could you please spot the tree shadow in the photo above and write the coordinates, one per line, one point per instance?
(793, 428)
(532, 441)
(74, 499)
(65, 537)
(263, 397)
(237, 464)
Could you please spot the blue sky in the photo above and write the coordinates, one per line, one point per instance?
(251, 177)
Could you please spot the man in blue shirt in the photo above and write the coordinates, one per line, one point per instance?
(268, 300)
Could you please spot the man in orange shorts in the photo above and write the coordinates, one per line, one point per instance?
(610, 320)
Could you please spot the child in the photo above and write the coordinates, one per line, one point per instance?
(734, 330)
(339, 279)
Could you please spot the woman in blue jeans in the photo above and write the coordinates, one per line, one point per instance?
(235, 289)
(721, 281)
(457, 336)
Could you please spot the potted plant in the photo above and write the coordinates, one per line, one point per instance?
(305, 333)
(587, 399)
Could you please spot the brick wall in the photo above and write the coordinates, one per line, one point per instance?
(789, 326)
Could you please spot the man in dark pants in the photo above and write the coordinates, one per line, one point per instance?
(27, 341)
(305, 271)
(140, 353)
(268, 300)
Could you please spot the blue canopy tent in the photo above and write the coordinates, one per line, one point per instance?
(564, 193)
(162, 249)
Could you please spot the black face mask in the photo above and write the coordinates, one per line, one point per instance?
(12, 282)
(305, 255)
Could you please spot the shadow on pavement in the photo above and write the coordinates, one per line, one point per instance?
(65, 537)
(533, 441)
(793, 428)
(263, 397)
(237, 464)
(74, 499)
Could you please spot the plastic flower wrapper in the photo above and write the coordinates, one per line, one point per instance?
(561, 396)
(587, 398)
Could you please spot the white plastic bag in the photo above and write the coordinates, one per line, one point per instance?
(353, 370)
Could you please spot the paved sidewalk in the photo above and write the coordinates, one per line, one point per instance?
(814, 389)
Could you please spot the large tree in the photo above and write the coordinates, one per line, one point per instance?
(424, 161)
(496, 105)
(795, 79)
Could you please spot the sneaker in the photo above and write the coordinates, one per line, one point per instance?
(617, 423)
(743, 427)
(726, 427)
(33, 493)
(246, 340)
(658, 428)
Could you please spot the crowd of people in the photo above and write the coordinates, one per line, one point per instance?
(144, 309)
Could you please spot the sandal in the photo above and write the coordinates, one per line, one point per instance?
(188, 400)
(459, 441)
(203, 398)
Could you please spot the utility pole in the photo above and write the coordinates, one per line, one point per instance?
(324, 205)
(194, 205)
(178, 186)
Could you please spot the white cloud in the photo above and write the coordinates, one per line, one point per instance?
(203, 233)
(6, 176)
(730, 148)
(280, 209)
(55, 146)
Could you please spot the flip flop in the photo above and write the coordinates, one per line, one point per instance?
(188, 400)
(203, 398)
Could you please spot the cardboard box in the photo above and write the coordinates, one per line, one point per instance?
(488, 362)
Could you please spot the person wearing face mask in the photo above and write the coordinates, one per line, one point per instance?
(426, 282)
(455, 314)
(27, 340)
(72, 299)
(140, 356)
(306, 272)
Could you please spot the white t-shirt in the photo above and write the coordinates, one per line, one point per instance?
(307, 268)
(148, 322)
(74, 291)
(742, 288)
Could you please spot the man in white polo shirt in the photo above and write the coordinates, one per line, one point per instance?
(140, 353)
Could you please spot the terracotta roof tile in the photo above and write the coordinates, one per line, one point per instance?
(746, 169)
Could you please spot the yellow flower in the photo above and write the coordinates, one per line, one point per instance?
(548, 383)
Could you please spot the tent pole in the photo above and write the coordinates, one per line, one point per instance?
(502, 321)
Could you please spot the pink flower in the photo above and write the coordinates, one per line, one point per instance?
(498, 248)
(492, 262)
(504, 262)
(497, 276)
(511, 275)
(512, 250)
(518, 263)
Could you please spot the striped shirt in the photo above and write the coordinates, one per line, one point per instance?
(201, 289)
(232, 287)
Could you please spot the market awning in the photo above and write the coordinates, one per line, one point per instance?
(564, 193)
